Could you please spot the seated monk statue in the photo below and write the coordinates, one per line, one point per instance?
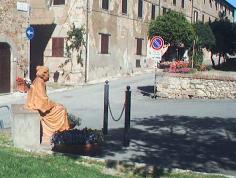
(54, 116)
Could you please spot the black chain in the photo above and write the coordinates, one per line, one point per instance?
(112, 114)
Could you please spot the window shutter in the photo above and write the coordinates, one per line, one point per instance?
(182, 4)
(140, 8)
(104, 43)
(58, 47)
(153, 12)
(105, 4)
(124, 6)
(139, 46)
(58, 2)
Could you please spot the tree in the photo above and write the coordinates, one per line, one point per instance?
(224, 32)
(74, 43)
(204, 38)
(174, 28)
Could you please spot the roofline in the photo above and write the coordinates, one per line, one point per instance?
(226, 2)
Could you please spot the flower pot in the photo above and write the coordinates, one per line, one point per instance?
(22, 87)
(86, 150)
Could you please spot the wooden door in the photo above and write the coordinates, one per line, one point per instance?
(5, 68)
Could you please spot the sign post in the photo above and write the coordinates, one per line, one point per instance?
(30, 35)
(156, 43)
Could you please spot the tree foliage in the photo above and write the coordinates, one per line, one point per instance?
(204, 35)
(204, 38)
(225, 35)
(75, 40)
(174, 28)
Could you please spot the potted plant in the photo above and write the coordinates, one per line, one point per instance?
(22, 85)
(78, 141)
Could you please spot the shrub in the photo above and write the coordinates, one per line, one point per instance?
(78, 137)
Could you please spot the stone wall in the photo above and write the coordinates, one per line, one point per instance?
(179, 87)
(13, 24)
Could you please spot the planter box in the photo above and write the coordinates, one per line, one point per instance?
(86, 150)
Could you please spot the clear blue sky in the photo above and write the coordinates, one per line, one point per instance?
(233, 2)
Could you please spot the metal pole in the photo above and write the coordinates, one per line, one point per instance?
(155, 83)
(127, 116)
(106, 102)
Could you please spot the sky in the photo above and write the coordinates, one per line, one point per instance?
(233, 2)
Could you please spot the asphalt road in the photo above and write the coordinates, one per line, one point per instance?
(189, 134)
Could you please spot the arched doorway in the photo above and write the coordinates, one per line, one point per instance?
(5, 68)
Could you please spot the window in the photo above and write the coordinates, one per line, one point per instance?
(174, 2)
(139, 46)
(57, 47)
(210, 3)
(195, 16)
(124, 6)
(153, 12)
(138, 65)
(140, 8)
(216, 5)
(104, 43)
(182, 4)
(203, 18)
(58, 2)
(105, 4)
(164, 10)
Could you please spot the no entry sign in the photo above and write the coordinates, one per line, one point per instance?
(157, 42)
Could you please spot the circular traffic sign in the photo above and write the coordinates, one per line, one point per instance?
(157, 42)
(30, 33)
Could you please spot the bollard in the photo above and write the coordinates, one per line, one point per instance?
(106, 102)
(127, 116)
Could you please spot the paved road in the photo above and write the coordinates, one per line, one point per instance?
(189, 134)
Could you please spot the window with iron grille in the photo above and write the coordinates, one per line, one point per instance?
(124, 6)
(140, 8)
(57, 47)
(182, 4)
(174, 2)
(105, 4)
(139, 46)
(153, 12)
(58, 2)
(104, 43)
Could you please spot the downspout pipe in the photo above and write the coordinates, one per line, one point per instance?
(86, 47)
(192, 12)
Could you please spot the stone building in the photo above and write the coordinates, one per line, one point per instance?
(13, 45)
(115, 34)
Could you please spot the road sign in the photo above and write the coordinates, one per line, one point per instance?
(156, 56)
(30, 33)
(157, 42)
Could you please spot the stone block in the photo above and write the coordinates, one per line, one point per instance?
(25, 127)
